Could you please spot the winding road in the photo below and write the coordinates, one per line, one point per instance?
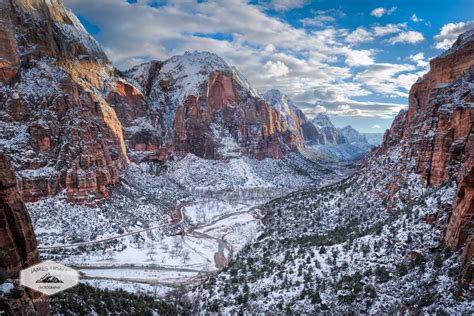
(98, 241)
(220, 259)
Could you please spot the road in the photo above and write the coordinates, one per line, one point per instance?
(98, 241)
(219, 258)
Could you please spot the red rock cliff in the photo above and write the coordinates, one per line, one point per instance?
(207, 109)
(17, 245)
(58, 129)
(438, 131)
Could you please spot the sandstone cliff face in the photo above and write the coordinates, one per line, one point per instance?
(330, 132)
(209, 110)
(55, 124)
(295, 119)
(17, 245)
(70, 121)
(437, 130)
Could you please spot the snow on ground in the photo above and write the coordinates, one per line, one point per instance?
(219, 217)
(147, 274)
(200, 213)
(347, 248)
(157, 290)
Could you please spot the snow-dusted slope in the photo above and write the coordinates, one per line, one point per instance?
(199, 104)
(337, 250)
(294, 116)
(352, 135)
(331, 133)
(395, 238)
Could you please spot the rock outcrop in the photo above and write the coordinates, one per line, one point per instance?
(17, 246)
(296, 120)
(54, 122)
(330, 132)
(437, 131)
(208, 109)
(352, 135)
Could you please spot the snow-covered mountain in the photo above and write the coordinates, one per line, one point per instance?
(208, 109)
(374, 138)
(332, 134)
(352, 135)
(295, 118)
(353, 144)
(396, 237)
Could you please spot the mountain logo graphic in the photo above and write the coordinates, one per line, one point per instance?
(48, 278)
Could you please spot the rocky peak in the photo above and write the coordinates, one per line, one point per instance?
(55, 123)
(352, 135)
(294, 116)
(322, 120)
(331, 133)
(296, 120)
(37, 29)
(280, 101)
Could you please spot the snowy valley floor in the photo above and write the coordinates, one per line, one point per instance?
(172, 225)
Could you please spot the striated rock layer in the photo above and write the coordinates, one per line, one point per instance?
(69, 120)
(331, 134)
(17, 245)
(437, 129)
(208, 109)
(295, 119)
(54, 123)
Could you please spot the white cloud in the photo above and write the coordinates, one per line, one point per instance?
(379, 12)
(388, 79)
(409, 37)
(359, 57)
(323, 17)
(276, 69)
(376, 126)
(450, 32)
(354, 108)
(382, 30)
(270, 48)
(360, 35)
(337, 100)
(363, 35)
(283, 5)
(415, 19)
(419, 59)
(319, 109)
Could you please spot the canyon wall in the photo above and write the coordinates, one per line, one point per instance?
(17, 246)
(437, 131)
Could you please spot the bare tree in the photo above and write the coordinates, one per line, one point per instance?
(151, 252)
(185, 255)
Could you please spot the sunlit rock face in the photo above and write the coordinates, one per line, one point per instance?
(331, 134)
(70, 121)
(295, 119)
(437, 130)
(208, 109)
(54, 121)
(17, 245)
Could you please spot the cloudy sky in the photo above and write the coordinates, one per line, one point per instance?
(354, 60)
